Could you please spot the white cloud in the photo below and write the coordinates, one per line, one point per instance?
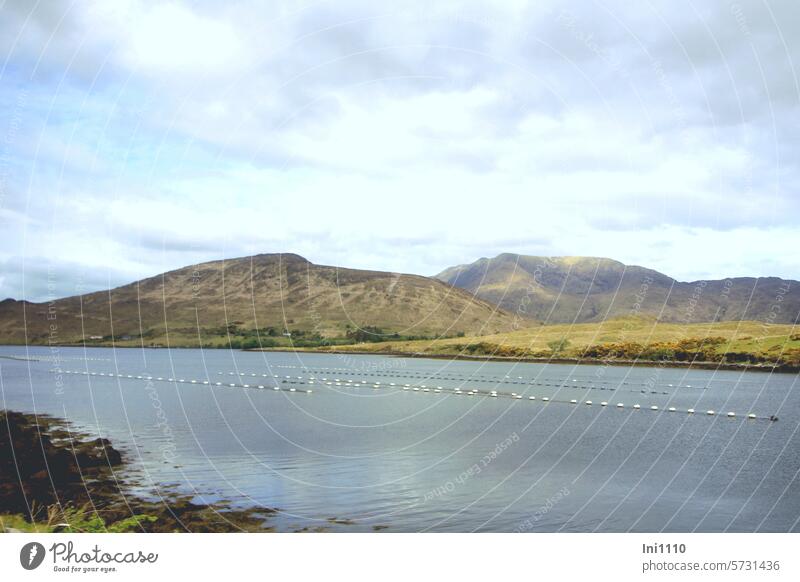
(169, 38)
(406, 138)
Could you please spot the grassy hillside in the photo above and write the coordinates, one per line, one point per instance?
(257, 300)
(583, 289)
(622, 339)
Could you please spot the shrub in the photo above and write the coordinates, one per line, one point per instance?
(559, 345)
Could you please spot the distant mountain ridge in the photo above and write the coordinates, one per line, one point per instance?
(587, 289)
(278, 291)
(283, 292)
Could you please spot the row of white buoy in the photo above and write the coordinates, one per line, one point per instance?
(555, 385)
(51, 358)
(334, 382)
(656, 408)
(507, 379)
(491, 394)
(179, 380)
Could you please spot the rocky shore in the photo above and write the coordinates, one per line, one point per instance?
(54, 479)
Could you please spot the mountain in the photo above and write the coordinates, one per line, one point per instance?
(587, 289)
(278, 291)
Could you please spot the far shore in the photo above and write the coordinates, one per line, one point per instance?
(783, 369)
(700, 365)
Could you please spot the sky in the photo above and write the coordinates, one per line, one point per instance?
(138, 137)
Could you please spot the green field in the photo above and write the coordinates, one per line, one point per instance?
(624, 338)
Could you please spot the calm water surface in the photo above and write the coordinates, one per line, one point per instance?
(417, 460)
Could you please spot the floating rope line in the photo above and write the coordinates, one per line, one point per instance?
(181, 381)
(554, 382)
(407, 387)
(338, 382)
(53, 359)
(512, 395)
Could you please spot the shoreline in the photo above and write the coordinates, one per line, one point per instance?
(777, 369)
(55, 479)
(568, 361)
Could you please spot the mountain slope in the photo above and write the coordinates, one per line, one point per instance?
(586, 289)
(281, 291)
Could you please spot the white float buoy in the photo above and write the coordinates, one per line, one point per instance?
(604, 403)
(545, 399)
(589, 402)
(690, 411)
(531, 397)
(573, 401)
(654, 408)
(751, 415)
(731, 414)
(636, 406)
(710, 412)
(620, 405)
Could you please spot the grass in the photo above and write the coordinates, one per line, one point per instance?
(71, 520)
(747, 337)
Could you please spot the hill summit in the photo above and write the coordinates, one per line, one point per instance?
(273, 294)
(587, 289)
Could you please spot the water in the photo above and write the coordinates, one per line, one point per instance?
(426, 461)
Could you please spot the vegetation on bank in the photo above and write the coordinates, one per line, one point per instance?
(626, 339)
(237, 337)
(640, 338)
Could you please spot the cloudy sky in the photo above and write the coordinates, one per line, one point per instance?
(137, 136)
